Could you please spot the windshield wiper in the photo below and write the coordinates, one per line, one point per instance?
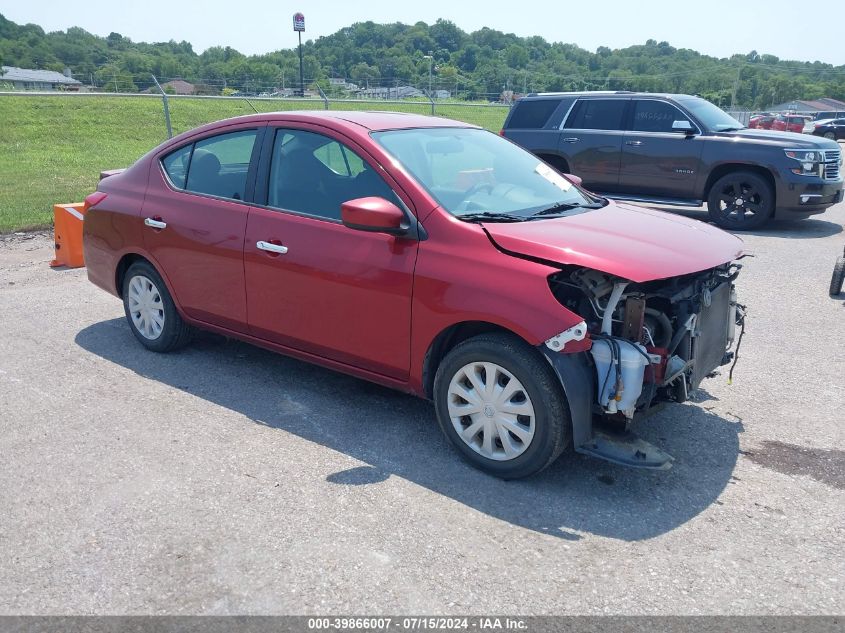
(732, 129)
(490, 216)
(562, 207)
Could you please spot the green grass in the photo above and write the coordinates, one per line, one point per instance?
(53, 148)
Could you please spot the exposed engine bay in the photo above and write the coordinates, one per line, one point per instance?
(653, 341)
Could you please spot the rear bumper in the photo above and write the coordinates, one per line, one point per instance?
(798, 198)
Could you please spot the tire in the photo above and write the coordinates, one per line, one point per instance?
(837, 278)
(830, 135)
(536, 430)
(150, 311)
(741, 201)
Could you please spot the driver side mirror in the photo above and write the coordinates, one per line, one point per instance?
(683, 126)
(375, 215)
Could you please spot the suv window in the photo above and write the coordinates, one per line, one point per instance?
(314, 174)
(218, 165)
(534, 114)
(655, 116)
(597, 114)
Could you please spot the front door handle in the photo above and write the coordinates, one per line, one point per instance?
(571, 139)
(272, 248)
(634, 143)
(156, 224)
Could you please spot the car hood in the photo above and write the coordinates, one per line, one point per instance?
(788, 140)
(631, 242)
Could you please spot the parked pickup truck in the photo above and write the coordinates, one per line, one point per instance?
(679, 150)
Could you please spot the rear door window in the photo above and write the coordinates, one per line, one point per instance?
(597, 114)
(176, 165)
(219, 164)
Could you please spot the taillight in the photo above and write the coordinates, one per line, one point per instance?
(93, 199)
(502, 132)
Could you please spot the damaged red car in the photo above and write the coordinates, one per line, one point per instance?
(429, 256)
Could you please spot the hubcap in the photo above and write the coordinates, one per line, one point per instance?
(145, 307)
(491, 411)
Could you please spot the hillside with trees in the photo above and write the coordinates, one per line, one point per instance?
(478, 65)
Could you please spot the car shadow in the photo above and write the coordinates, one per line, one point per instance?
(805, 229)
(396, 435)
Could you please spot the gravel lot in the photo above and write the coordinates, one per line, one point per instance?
(226, 479)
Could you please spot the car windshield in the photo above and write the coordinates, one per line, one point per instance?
(713, 118)
(476, 174)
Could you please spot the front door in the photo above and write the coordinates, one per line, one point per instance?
(312, 283)
(195, 218)
(655, 160)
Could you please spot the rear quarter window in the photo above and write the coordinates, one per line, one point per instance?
(535, 114)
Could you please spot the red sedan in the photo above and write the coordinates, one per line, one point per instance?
(761, 121)
(426, 255)
(789, 123)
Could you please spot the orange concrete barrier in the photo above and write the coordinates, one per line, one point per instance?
(67, 227)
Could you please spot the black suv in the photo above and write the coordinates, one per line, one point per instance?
(679, 150)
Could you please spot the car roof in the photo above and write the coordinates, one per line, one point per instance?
(605, 93)
(373, 121)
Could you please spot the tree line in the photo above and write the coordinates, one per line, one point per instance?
(480, 65)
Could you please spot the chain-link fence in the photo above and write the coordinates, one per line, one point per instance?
(188, 111)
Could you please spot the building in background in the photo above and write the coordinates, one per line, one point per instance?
(28, 79)
(809, 106)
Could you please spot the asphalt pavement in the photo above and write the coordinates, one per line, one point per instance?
(225, 479)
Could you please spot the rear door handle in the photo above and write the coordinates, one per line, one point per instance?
(634, 143)
(156, 224)
(272, 248)
(571, 139)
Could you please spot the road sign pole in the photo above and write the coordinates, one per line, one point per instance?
(299, 27)
(301, 80)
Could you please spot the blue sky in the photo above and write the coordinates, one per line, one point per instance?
(714, 27)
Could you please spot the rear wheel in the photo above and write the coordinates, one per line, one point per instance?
(838, 277)
(740, 201)
(830, 135)
(150, 310)
(501, 405)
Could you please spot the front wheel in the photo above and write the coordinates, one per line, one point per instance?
(501, 405)
(830, 135)
(741, 201)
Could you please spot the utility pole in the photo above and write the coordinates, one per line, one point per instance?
(430, 58)
(736, 86)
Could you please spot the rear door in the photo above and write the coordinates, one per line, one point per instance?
(195, 214)
(321, 287)
(655, 160)
(591, 141)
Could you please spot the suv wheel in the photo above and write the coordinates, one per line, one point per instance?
(501, 405)
(740, 201)
(150, 310)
